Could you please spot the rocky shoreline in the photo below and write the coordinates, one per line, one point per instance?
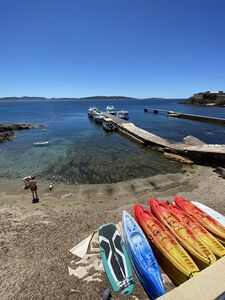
(7, 131)
(211, 98)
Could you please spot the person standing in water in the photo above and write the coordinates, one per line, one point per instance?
(30, 183)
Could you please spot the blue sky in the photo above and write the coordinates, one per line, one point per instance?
(140, 48)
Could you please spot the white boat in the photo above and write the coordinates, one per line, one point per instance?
(110, 109)
(123, 114)
(99, 118)
(41, 144)
(92, 111)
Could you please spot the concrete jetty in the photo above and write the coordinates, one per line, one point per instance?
(175, 114)
(191, 147)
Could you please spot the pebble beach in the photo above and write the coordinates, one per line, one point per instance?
(35, 239)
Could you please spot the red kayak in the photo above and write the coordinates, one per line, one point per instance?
(171, 256)
(203, 218)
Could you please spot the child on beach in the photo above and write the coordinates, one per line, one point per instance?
(30, 183)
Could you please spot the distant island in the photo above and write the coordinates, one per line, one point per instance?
(211, 98)
(81, 98)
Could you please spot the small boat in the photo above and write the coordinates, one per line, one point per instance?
(184, 234)
(171, 256)
(202, 217)
(108, 126)
(123, 114)
(142, 257)
(110, 109)
(41, 144)
(99, 118)
(92, 111)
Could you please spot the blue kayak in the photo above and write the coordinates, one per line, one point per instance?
(142, 257)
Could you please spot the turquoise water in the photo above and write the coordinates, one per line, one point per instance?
(82, 152)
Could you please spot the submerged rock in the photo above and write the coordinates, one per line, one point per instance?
(177, 158)
(6, 136)
(11, 127)
(7, 130)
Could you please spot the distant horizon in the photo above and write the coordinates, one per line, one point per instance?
(169, 49)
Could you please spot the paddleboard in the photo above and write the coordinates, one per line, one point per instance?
(213, 213)
(115, 259)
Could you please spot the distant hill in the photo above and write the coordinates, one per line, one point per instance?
(81, 98)
(23, 98)
(67, 98)
(108, 97)
(211, 98)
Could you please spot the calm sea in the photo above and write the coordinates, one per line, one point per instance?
(80, 151)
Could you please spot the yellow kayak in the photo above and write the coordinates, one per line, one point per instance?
(206, 237)
(200, 252)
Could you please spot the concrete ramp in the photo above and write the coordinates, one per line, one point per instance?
(207, 285)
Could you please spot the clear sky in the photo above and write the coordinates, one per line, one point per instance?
(140, 48)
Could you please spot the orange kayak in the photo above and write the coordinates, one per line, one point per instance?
(171, 256)
(203, 218)
(200, 252)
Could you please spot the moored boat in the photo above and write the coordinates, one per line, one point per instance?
(200, 252)
(110, 109)
(41, 144)
(108, 126)
(202, 217)
(171, 256)
(123, 114)
(142, 257)
(99, 118)
(92, 111)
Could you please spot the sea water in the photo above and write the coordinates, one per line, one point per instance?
(80, 151)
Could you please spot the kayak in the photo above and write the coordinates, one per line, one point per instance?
(214, 245)
(213, 213)
(115, 259)
(185, 235)
(171, 256)
(142, 257)
(203, 218)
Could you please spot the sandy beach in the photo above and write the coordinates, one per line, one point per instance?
(35, 239)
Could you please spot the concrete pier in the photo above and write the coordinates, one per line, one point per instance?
(191, 148)
(199, 118)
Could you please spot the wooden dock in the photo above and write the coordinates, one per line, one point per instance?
(191, 148)
(199, 118)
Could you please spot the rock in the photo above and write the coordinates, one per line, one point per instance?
(7, 130)
(220, 171)
(6, 136)
(192, 141)
(178, 158)
(11, 127)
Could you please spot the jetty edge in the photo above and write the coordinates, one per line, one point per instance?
(191, 148)
(200, 118)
